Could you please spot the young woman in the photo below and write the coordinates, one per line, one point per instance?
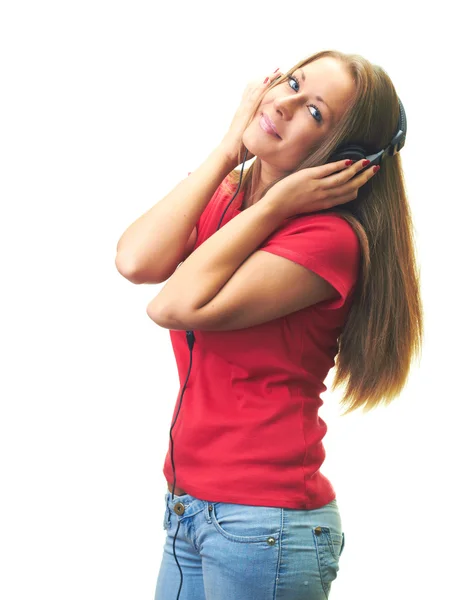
(303, 264)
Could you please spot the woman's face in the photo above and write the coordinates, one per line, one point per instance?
(299, 125)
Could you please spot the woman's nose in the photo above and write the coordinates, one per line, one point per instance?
(287, 103)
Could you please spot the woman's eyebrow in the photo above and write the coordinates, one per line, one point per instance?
(318, 97)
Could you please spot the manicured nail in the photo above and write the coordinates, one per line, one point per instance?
(366, 163)
(349, 162)
(276, 70)
(266, 80)
(376, 168)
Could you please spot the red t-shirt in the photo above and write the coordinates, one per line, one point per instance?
(248, 430)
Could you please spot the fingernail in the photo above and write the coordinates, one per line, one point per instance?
(366, 163)
(276, 70)
(376, 168)
(349, 162)
(266, 80)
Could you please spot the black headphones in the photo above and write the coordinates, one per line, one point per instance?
(356, 152)
(346, 151)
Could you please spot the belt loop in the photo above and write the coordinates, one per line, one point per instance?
(208, 510)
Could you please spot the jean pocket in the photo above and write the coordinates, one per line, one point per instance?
(329, 545)
(246, 523)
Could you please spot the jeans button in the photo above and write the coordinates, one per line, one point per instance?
(318, 530)
(179, 508)
(271, 541)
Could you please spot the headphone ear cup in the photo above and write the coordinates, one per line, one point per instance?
(350, 151)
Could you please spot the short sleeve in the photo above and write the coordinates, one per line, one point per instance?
(326, 244)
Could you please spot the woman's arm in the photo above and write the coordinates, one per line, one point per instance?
(213, 263)
(151, 248)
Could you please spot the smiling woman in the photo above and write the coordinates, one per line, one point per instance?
(301, 262)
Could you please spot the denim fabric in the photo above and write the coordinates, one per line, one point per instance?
(242, 552)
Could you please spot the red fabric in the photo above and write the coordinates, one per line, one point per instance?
(248, 430)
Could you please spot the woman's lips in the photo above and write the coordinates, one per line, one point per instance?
(266, 126)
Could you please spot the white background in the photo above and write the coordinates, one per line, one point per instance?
(104, 107)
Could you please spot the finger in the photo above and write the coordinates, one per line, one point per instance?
(348, 174)
(363, 176)
(326, 171)
(258, 91)
(350, 187)
(272, 77)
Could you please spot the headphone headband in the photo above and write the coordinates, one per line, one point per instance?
(399, 139)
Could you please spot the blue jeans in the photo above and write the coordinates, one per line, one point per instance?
(242, 552)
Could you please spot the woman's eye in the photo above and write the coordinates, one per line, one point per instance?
(292, 79)
(317, 114)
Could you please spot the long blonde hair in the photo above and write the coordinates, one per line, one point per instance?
(383, 330)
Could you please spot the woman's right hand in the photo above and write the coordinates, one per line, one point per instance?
(318, 188)
(232, 143)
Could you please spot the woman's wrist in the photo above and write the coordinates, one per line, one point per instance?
(277, 204)
(224, 158)
(228, 151)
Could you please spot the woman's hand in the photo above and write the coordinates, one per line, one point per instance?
(317, 188)
(232, 144)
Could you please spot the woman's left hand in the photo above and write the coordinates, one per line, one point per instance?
(318, 188)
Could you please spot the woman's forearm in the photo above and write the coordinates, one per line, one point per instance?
(155, 243)
(213, 263)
